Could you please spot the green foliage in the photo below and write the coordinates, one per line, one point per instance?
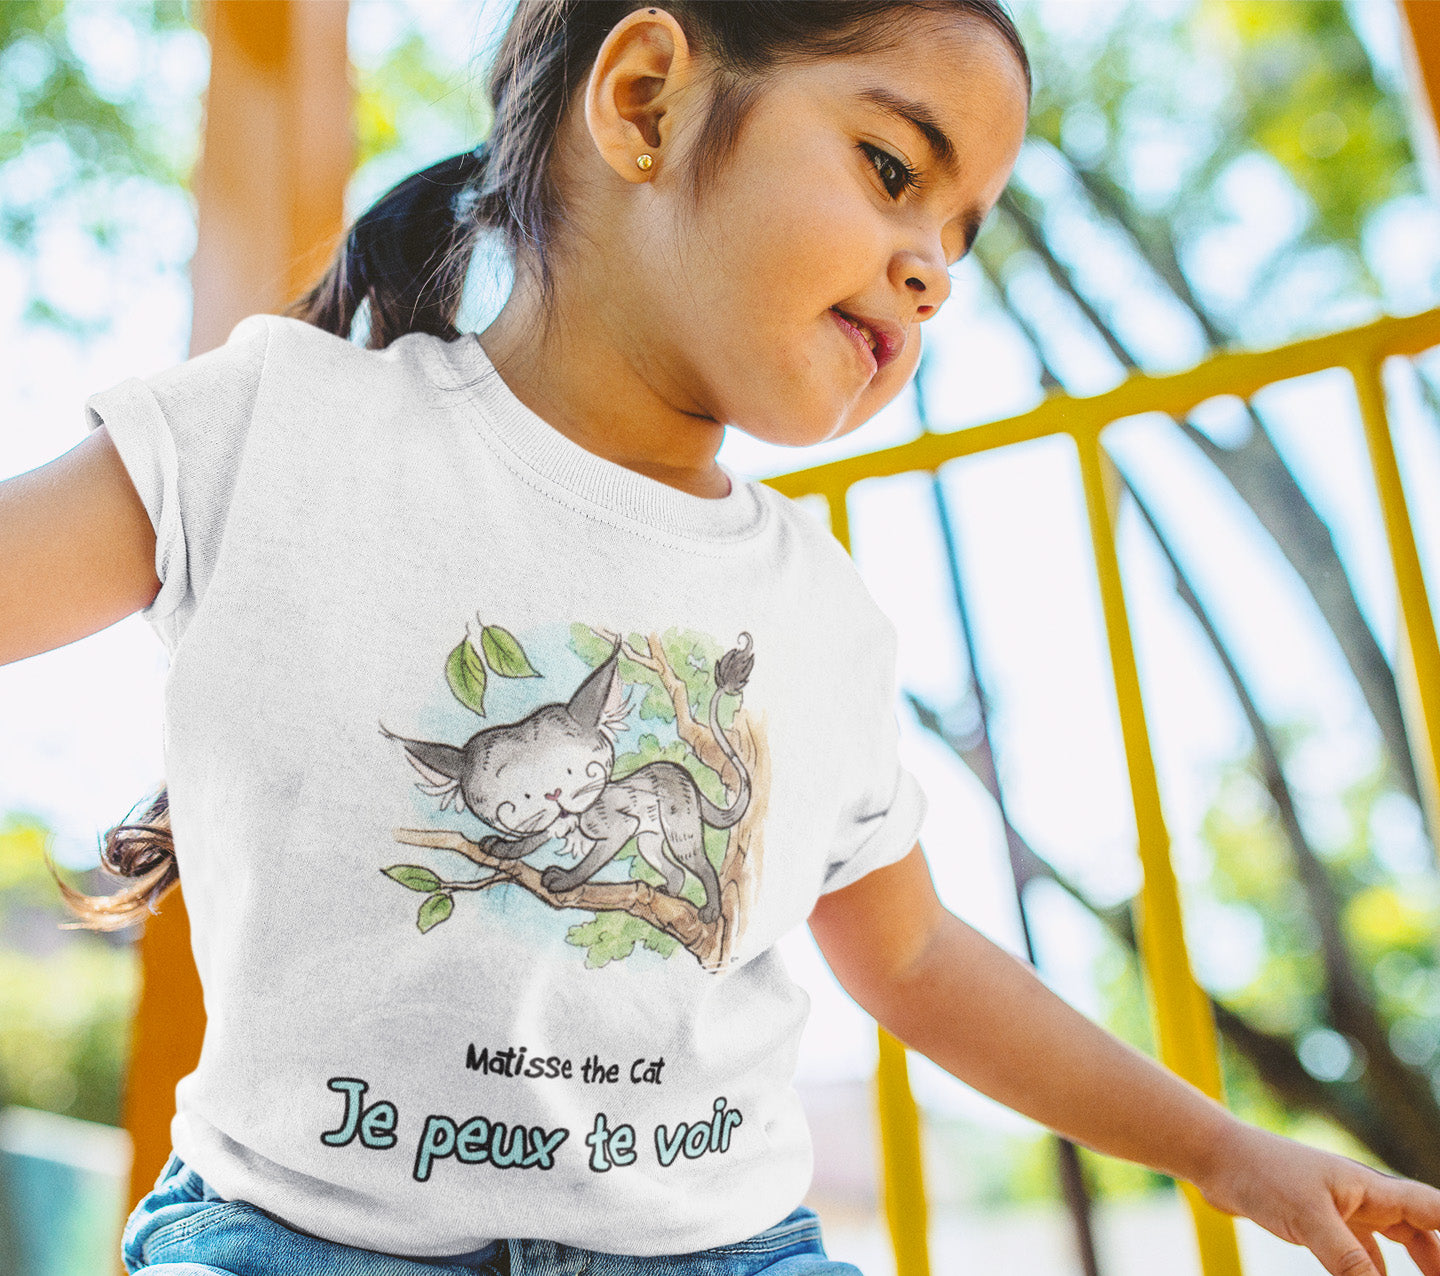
(436, 909)
(1163, 119)
(504, 654)
(79, 139)
(413, 877)
(684, 650)
(1305, 94)
(414, 91)
(465, 672)
(65, 996)
(1390, 915)
(438, 904)
(691, 657)
(465, 666)
(612, 936)
(975, 1166)
(1160, 136)
(1252, 872)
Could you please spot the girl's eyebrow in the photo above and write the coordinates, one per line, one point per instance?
(921, 119)
(942, 149)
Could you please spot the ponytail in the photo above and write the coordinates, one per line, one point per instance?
(143, 852)
(405, 259)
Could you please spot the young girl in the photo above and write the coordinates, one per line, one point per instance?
(507, 731)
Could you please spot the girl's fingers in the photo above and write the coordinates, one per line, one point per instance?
(1341, 1251)
(1373, 1249)
(1423, 1247)
(1420, 1204)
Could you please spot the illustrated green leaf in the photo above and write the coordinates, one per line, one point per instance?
(434, 911)
(505, 654)
(612, 936)
(465, 672)
(659, 942)
(413, 877)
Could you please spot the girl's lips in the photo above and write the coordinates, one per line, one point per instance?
(857, 339)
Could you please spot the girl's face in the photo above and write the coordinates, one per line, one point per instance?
(815, 213)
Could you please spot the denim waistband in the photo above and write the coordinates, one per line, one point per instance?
(179, 1183)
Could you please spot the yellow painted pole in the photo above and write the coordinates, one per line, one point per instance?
(902, 1171)
(1418, 659)
(906, 1211)
(839, 513)
(1186, 1034)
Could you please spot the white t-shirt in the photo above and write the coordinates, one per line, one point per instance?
(484, 873)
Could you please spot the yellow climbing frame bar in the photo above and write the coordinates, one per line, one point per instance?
(1184, 1027)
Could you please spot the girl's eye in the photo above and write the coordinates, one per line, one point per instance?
(897, 176)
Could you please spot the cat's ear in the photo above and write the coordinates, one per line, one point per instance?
(588, 705)
(439, 765)
(615, 712)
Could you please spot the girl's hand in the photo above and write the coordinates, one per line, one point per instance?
(1330, 1204)
(944, 989)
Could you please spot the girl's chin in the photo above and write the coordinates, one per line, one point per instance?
(797, 432)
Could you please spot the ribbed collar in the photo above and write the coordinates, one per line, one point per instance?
(562, 465)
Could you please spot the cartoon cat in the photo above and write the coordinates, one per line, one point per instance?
(548, 775)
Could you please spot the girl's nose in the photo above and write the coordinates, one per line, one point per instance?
(925, 310)
(926, 278)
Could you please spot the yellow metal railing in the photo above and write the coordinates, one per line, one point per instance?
(1184, 1026)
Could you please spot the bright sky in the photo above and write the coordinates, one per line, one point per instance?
(81, 738)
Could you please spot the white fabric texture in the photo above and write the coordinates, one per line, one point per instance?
(428, 814)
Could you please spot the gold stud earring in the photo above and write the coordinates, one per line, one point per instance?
(644, 162)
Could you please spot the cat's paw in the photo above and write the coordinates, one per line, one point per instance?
(710, 912)
(553, 879)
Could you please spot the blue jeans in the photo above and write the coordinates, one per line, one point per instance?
(185, 1228)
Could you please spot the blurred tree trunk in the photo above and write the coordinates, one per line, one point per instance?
(1420, 20)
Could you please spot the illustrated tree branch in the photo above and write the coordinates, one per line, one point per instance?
(740, 869)
(669, 914)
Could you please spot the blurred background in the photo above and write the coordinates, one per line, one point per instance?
(1201, 175)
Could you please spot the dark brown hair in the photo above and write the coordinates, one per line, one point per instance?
(405, 259)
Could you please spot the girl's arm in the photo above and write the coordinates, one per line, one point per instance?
(984, 1016)
(77, 551)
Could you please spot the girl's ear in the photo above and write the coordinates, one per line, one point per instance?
(639, 73)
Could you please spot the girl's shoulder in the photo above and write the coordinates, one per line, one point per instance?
(287, 334)
(827, 568)
(313, 360)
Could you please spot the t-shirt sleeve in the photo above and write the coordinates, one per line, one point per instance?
(181, 435)
(885, 807)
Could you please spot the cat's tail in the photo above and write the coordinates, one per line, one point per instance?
(732, 672)
(439, 764)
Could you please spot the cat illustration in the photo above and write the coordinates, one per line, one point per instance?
(548, 775)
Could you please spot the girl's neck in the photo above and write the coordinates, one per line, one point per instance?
(588, 385)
